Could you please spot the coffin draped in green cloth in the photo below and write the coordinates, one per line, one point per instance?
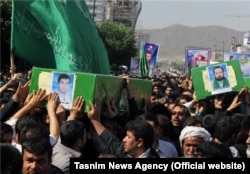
(206, 85)
(90, 85)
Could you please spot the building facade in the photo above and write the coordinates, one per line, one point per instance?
(121, 11)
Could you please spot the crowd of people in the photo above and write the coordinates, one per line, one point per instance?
(172, 124)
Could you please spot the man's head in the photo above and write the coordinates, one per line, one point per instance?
(148, 56)
(210, 149)
(151, 119)
(168, 90)
(36, 153)
(179, 115)
(190, 137)
(226, 130)
(73, 134)
(6, 133)
(218, 73)
(139, 137)
(63, 83)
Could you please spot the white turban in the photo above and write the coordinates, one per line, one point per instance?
(194, 131)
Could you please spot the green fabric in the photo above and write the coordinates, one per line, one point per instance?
(247, 82)
(216, 84)
(144, 69)
(58, 34)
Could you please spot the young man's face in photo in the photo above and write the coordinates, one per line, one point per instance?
(63, 85)
(218, 74)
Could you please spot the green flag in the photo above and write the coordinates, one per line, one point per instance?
(144, 69)
(58, 34)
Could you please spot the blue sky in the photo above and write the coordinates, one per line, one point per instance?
(163, 13)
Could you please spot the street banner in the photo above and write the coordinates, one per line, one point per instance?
(196, 57)
(134, 66)
(244, 60)
(148, 59)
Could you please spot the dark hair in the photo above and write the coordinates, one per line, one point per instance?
(210, 149)
(4, 100)
(5, 128)
(25, 120)
(225, 128)
(161, 109)
(243, 119)
(142, 129)
(244, 126)
(164, 123)
(11, 162)
(192, 121)
(32, 130)
(149, 117)
(185, 109)
(37, 146)
(185, 97)
(218, 67)
(63, 76)
(209, 122)
(71, 131)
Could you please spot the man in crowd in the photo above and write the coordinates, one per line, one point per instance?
(137, 143)
(190, 137)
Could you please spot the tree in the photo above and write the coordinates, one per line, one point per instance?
(119, 42)
(5, 7)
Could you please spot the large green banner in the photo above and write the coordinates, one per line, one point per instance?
(58, 34)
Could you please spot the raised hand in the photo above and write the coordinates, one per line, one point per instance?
(94, 110)
(22, 92)
(76, 110)
(52, 101)
(37, 98)
(237, 99)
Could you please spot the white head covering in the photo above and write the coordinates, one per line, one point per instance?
(194, 131)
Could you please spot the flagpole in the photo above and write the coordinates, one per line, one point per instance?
(12, 66)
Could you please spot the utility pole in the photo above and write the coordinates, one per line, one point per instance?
(233, 45)
(215, 52)
(223, 49)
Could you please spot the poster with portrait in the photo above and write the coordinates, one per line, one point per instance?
(217, 79)
(134, 66)
(244, 60)
(64, 84)
(151, 53)
(196, 57)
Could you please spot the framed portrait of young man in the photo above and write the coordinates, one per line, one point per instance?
(64, 84)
